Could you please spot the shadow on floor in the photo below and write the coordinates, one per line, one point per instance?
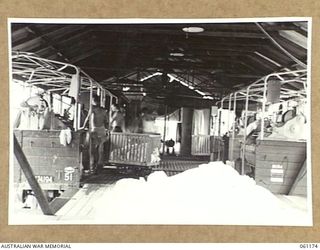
(171, 165)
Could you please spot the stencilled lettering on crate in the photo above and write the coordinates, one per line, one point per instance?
(276, 173)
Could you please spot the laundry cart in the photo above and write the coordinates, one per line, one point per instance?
(134, 151)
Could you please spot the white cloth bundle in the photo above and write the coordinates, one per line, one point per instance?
(65, 136)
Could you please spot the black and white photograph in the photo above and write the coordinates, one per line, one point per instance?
(160, 121)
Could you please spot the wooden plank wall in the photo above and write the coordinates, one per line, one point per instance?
(200, 145)
(48, 157)
(278, 164)
(300, 184)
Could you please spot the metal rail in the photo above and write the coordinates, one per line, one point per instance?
(56, 77)
(257, 92)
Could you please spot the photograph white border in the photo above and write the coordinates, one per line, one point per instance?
(163, 21)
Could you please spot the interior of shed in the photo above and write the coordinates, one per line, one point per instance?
(193, 84)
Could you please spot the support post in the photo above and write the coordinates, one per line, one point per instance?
(243, 153)
(229, 110)
(264, 100)
(233, 126)
(164, 129)
(76, 97)
(186, 131)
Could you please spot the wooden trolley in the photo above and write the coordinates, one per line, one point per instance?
(57, 164)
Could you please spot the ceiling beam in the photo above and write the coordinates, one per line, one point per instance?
(55, 34)
(263, 64)
(293, 48)
(179, 32)
(71, 38)
(84, 55)
(205, 44)
(37, 33)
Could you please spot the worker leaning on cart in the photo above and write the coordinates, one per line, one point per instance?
(117, 119)
(98, 124)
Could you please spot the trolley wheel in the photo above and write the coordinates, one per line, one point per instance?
(136, 171)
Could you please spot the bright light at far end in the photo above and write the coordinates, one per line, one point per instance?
(193, 29)
(208, 97)
(177, 54)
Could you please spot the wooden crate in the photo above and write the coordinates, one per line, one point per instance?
(277, 163)
(134, 149)
(55, 166)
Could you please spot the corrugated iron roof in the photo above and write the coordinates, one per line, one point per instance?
(223, 57)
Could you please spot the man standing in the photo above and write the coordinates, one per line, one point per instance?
(34, 113)
(117, 119)
(98, 125)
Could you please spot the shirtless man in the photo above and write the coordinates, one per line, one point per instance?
(98, 125)
(117, 119)
(34, 113)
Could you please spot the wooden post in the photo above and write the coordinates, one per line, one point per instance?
(27, 170)
(186, 131)
(164, 129)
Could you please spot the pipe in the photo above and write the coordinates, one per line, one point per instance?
(220, 114)
(164, 129)
(234, 109)
(245, 131)
(264, 100)
(219, 127)
(90, 125)
(233, 127)
(281, 48)
(229, 109)
(76, 118)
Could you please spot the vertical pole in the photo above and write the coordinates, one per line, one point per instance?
(60, 98)
(110, 104)
(264, 100)
(186, 131)
(79, 114)
(229, 110)
(51, 115)
(245, 132)
(91, 163)
(234, 109)
(164, 128)
(219, 129)
(76, 120)
(233, 127)
(219, 117)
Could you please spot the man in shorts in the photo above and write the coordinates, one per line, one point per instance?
(117, 119)
(98, 124)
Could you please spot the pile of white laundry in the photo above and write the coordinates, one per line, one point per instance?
(212, 194)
